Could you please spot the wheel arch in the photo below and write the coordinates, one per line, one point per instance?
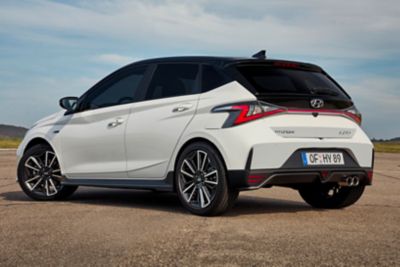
(37, 141)
(196, 140)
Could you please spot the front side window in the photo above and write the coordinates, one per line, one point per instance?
(171, 80)
(117, 92)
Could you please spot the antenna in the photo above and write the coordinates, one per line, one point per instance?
(260, 55)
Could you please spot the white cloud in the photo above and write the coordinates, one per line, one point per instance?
(358, 29)
(114, 59)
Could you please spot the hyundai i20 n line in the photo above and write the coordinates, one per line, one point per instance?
(205, 128)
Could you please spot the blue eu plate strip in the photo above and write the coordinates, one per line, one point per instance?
(304, 158)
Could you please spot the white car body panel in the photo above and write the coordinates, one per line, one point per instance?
(149, 152)
(42, 129)
(209, 127)
(91, 147)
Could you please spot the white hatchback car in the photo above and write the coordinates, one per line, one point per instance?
(206, 128)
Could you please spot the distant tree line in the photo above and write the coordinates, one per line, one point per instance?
(396, 139)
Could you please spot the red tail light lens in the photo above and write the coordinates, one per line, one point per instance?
(283, 64)
(351, 113)
(245, 112)
(354, 114)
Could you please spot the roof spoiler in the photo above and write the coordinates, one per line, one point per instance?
(260, 55)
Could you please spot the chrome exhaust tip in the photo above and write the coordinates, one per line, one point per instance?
(356, 180)
(350, 181)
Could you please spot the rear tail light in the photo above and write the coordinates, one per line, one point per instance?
(240, 113)
(246, 112)
(354, 114)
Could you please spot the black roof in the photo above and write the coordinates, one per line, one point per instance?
(221, 61)
(197, 59)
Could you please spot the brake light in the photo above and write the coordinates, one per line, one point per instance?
(240, 113)
(246, 112)
(350, 113)
(283, 64)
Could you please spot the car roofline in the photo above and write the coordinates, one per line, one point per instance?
(220, 61)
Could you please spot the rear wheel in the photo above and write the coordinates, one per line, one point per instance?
(39, 175)
(331, 196)
(201, 181)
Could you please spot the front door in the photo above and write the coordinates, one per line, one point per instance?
(93, 139)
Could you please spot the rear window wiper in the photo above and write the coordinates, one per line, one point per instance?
(323, 91)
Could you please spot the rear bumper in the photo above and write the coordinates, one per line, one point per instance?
(255, 179)
(292, 173)
(271, 150)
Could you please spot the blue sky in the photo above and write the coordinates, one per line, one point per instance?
(51, 49)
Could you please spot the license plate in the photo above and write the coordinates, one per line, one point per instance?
(322, 158)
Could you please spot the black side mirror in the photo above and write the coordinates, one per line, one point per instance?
(69, 103)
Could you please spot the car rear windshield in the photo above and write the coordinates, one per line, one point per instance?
(267, 80)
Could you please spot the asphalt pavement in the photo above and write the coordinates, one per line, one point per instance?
(268, 227)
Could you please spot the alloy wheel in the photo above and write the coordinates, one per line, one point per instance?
(198, 179)
(43, 174)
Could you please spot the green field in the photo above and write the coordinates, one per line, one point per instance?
(388, 147)
(9, 142)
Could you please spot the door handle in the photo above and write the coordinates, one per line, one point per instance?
(182, 107)
(115, 123)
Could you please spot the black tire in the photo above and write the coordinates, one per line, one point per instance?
(330, 196)
(220, 196)
(37, 188)
(233, 196)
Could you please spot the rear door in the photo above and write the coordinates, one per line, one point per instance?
(156, 124)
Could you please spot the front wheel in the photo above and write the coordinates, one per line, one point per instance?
(330, 196)
(201, 181)
(39, 175)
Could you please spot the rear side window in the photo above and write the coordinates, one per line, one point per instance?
(212, 78)
(120, 91)
(266, 80)
(171, 80)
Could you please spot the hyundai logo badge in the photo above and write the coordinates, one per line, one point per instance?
(317, 103)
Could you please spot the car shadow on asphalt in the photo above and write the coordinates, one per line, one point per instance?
(167, 202)
(262, 205)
